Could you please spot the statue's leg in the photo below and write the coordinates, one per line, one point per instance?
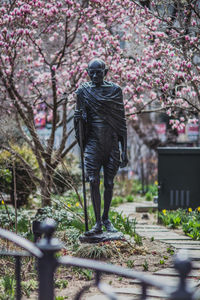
(108, 193)
(96, 202)
(95, 196)
(93, 166)
(110, 170)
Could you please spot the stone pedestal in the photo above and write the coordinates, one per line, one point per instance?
(102, 237)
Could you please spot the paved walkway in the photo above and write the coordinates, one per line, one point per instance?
(167, 275)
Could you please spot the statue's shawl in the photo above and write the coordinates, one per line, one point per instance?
(106, 102)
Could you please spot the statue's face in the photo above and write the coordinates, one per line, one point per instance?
(96, 73)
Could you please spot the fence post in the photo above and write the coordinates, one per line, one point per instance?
(183, 265)
(48, 263)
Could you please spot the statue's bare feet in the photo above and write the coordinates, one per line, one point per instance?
(109, 226)
(96, 229)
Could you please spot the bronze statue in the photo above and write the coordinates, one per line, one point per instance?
(100, 106)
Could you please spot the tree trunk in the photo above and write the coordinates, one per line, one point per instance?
(46, 188)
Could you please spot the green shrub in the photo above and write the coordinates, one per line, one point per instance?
(117, 200)
(129, 198)
(189, 221)
(24, 183)
(62, 216)
(123, 224)
(136, 187)
(24, 220)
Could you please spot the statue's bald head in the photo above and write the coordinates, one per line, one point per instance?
(97, 64)
(97, 70)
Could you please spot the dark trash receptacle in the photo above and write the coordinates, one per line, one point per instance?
(178, 178)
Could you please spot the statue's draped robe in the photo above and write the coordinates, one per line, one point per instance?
(104, 124)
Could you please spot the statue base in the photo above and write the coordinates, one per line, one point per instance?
(102, 237)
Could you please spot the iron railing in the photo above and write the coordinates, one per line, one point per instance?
(44, 251)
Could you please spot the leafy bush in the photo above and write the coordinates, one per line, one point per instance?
(24, 183)
(29, 286)
(7, 287)
(189, 221)
(152, 191)
(24, 220)
(129, 198)
(136, 187)
(117, 200)
(123, 224)
(94, 251)
(62, 216)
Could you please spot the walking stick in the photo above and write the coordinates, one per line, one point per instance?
(83, 171)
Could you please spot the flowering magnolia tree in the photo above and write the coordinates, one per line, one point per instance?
(45, 47)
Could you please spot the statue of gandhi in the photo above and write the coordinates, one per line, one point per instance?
(100, 105)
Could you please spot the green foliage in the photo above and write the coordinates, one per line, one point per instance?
(162, 262)
(136, 187)
(123, 224)
(192, 228)
(189, 221)
(138, 239)
(171, 219)
(29, 286)
(24, 183)
(61, 297)
(145, 265)
(62, 216)
(61, 283)
(24, 220)
(72, 237)
(8, 284)
(129, 198)
(84, 273)
(148, 196)
(130, 263)
(117, 200)
(95, 251)
(170, 251)
(152, 191)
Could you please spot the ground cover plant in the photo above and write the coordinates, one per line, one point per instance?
(188, 220)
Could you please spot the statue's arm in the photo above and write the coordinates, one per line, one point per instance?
(79, 115)
(123, 141)
(124, 156)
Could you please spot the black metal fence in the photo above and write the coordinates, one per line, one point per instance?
(44, 251)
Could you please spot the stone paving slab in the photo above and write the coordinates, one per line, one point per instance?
(127, 297)
(151, 230)
(186, 246)
(137, 291)
(149, 226)
(169, 239)
(194, 255)
(146, 209)
(185, 242)
(171, 281)
(162, 235)
(129, 208)
(172, 272)
(102, 297)
(128, 293)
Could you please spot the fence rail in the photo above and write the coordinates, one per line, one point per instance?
(44, 251)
